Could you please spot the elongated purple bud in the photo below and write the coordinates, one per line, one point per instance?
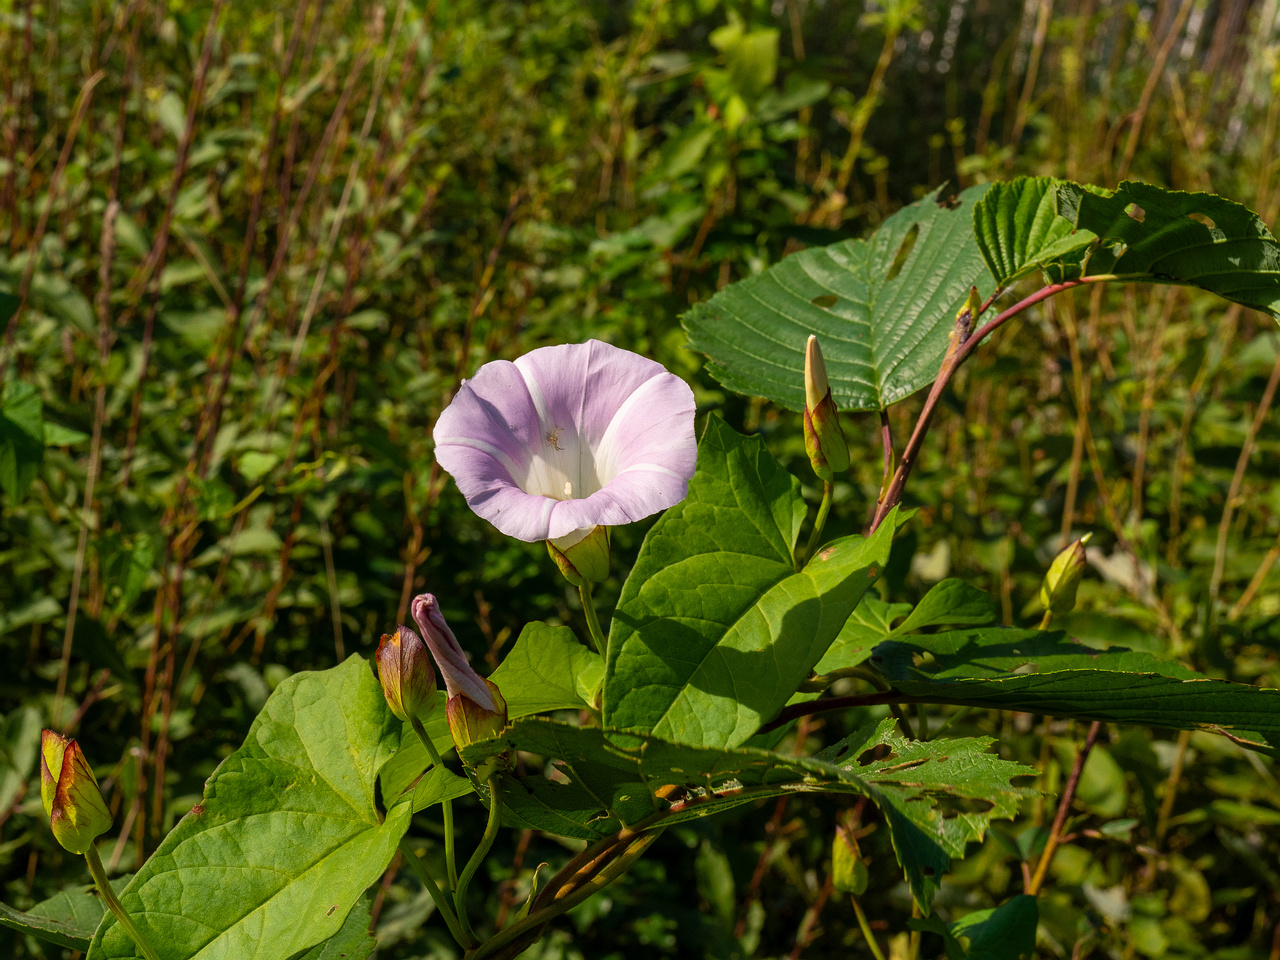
(459, 678)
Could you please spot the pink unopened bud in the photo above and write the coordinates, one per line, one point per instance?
(823, 439)
(69, 791)
(450, 659)
(404, 668)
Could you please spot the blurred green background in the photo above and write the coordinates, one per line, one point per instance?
(258, 245)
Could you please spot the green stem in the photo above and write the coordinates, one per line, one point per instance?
(570, 900)
(449, 860)
(113, 902)
(866, 929)
(486, 841)
(823, 509)
(441, 901)
(598, 642)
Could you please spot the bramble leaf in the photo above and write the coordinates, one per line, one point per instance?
(604, 780)
(882, 309)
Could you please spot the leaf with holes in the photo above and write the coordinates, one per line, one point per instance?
(882, 308)
(1166, 236)
(936, 797)
(716, 627)
(976, 668)
(1019, 230)
(286, 838)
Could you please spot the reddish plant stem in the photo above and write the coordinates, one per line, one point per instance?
(951, 363)
(1064, 807)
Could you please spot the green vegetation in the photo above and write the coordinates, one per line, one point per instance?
(248, 253)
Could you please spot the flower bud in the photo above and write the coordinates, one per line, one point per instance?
(470, 722)
(1058, 591)
(582, 558)
(450, 659)
(404, 668)
(77, 813)
(823, 439)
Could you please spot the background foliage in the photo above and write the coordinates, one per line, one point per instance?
(257, 246)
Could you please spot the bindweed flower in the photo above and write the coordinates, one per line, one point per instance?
(567, 439)
(475, 708)
(823, 439)
(77, 813)
(1058, 590)
(404, 669)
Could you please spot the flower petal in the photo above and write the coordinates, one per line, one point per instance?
(567, 438)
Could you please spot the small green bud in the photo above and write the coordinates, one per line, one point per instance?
(404, 669)
(69, 791)
(823, 439)
(848, 872)
(469, 722)
(1058, 591)
(583, 558)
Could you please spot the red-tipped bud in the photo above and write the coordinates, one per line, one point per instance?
(77, 813)
(469, 722)
(404, 668)
(823, 439)
(582, 557)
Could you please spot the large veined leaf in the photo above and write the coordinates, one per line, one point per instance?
(1019, 230)
(882, 309)
(604, 780)
(976, 667)
(287, 835)
(1166, 236)
(716, 627)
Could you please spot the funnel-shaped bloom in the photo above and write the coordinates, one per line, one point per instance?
(77, 813)
(568, 438)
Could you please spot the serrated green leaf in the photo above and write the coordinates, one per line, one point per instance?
(73, 931)
(716, 628)
(974, 668)
(1167, 236)
(287, 836)
(21, 438)
(547, 669)
(605, 780)
(883, 325)
(1019, 230)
